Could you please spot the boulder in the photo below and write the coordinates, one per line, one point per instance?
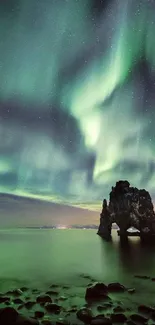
(4, 299)
(17, 301)
(116, 287)
(147, 310)
(43, 299)
(15, 293)
(118, 318)
(23, 289)
(52, 292)
(52, 308)
(97, 291)
(8, 315)
(39, 314)
(118, 309)
(29, 304)
(138, 319)
(85, 315)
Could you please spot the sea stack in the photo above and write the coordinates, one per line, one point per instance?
(128, 207)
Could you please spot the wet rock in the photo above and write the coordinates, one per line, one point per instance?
(29, 304)
(101, 320)
(118, 309)
(39, 314)
(17, 301)
(97, 291)
(8, 315)
(116, 287)
(142, 277)
(131, 290)
(118, 318)
(52, 308)
(43, 299)
(16, 292)
(52, 292)
(153, 316)
(84, 314)
(147, 310)
(21, 320)
(23, 289)
(138, 319)
(4, 299)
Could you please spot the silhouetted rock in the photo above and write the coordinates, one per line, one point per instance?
(8, 315)
(39, 314)
(97, 291)
(52, 307)
(128, 207)
(52, 292)
(4, 299)
(15, 293)
(116, 287)
(29, 304)
(84, 314)
(138, 319)
(118, 309)
(101, 320)
(118, 318)
(147, 310)
(142, 277)
(23, 289)
(43, 299)
(17, 301)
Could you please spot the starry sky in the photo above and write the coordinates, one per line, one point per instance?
(77, 98)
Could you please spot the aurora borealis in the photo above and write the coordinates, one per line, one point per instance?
(77, 97)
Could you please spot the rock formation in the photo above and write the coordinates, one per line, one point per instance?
(128, 207)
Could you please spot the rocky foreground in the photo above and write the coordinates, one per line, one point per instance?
(101, 305)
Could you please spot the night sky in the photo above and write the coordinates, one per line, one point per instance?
(77, 98)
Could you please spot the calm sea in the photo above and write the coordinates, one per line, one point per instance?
(38, 258)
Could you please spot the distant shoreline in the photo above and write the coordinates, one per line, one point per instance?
(66, 227)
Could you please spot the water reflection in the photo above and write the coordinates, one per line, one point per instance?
(128, 258)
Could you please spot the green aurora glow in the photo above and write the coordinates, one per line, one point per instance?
(77, 93)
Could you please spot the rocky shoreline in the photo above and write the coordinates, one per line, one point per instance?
(101, 305)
